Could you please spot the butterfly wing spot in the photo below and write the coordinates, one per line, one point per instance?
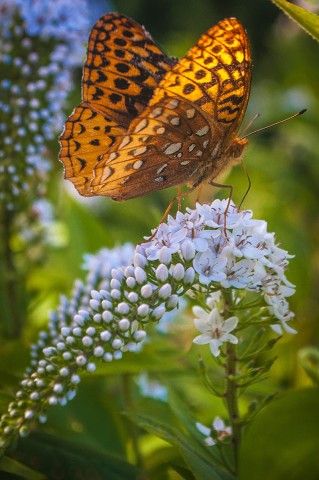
(107, 172)
(141, 125)
(172, 148)
(185, 162)
(156, 112)
(159, 179)
(160, 130)
(175, 121)
(172, 104)
(113, 156)
(126, 140)
(191, 147)
(161, 168)
(190, 113)
(205, 143)
(137, 164)
(202, 131)
(139, 151)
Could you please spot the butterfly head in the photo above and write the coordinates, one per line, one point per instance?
(235, 150)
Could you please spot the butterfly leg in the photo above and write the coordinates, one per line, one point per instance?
(243, 166)
(179, 198)
(165, 214)
(230, 188)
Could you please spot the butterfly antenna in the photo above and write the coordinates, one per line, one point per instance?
(277, 123)
(251, 121)
(243, 166)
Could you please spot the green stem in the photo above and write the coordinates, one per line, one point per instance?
(11, 297)
(133, 431)
(231, 398)
(231, 390)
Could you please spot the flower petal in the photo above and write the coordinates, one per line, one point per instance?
(203, 429)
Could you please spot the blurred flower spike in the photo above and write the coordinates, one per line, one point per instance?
(234, 279)
(41, 43)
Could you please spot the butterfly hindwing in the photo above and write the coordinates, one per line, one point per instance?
(163, 147)
(122, 69)
(87, 134)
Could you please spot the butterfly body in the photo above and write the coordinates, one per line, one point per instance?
(148, 121)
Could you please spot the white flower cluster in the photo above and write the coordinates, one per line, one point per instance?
(232, 251)
(60, 20)
(51, 379)
(99, 268)
(41, 43)
(195, 253)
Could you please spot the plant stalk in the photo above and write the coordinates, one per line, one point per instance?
(11, 297)
(133, 431)
(231, 398)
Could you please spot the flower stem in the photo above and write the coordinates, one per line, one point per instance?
(132, 429)
(10, 287)
(231, 398)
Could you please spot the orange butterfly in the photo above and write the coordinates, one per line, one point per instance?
(148, 121)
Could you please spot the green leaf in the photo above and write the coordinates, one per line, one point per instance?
(307, 20)
(283, 442)
(90, 419)
(14, 467)
(57, 458)
(309, 360)
(165, 426)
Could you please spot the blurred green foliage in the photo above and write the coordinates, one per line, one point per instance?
(283, 166)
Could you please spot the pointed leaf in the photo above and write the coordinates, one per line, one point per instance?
(201, 464)
(307, 20)
(284, 435)
(11, 466)
(57, 458)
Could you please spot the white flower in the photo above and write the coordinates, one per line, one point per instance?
(166, 237)
(217, 432)
(211, 268)
(214, 329)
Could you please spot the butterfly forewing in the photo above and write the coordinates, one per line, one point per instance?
(215, 75)
(191, 119)
(123, 67)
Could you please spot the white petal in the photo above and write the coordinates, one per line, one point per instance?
(218, 424)
(230, 338)
(203, 429)
(199, 312)
(288, 328)
(214, 347)
(202, 339)
(277, 328)
(201, 325)
(230, 324)
(210, 441)
(200, 244)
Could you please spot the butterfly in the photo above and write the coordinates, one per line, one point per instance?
(148, 121)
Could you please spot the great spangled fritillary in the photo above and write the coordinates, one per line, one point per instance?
(147, 121)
